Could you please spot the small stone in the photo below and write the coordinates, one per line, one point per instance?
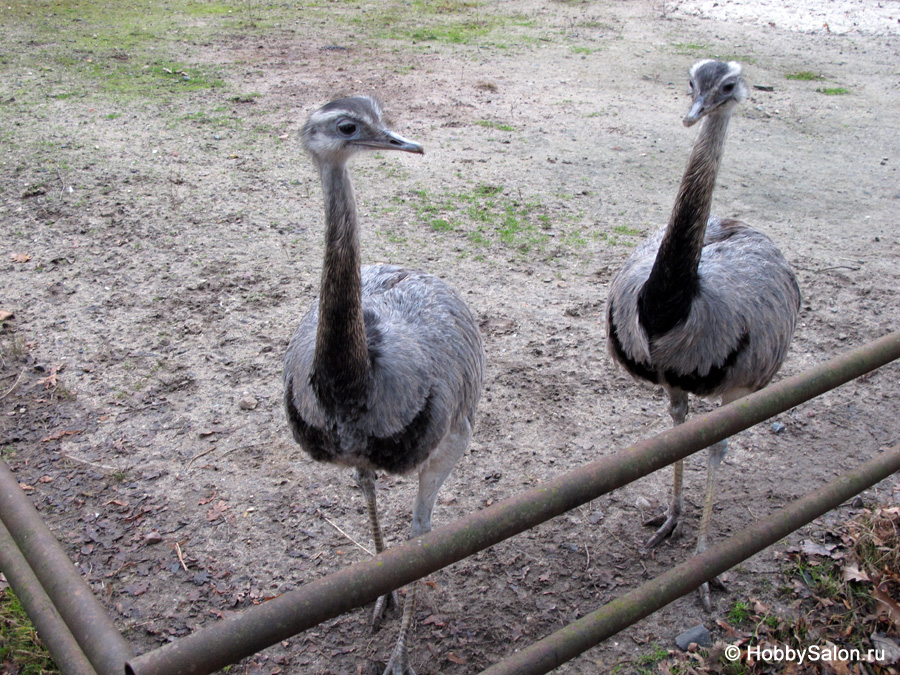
(248, 403)
(697, 635)
(152, 538)
(778, 427)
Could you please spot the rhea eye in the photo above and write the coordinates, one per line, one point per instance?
(691, 84)
(347, 128)
(728, 88)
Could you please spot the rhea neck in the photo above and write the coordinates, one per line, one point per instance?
(341, 363)
(666, 296)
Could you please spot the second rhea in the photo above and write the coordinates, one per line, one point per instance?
(705, 306)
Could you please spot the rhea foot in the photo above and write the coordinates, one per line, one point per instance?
(382, 605)
(671, 526)
(398, 664)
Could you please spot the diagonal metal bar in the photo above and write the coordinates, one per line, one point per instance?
(232, 639)
(52, 630)
(589, 631)
(82, 613)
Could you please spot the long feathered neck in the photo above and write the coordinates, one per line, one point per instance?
(666, 297)
(341, 364)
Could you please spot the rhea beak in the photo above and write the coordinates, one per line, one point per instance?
(392, 141)
(698, 109)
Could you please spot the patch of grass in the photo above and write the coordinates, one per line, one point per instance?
(495, 125)
(485, 215)
(804, 75)
(833, 91)
(626, 230)
(453, 22)
(739, 612)
(120, 49)
(20, 649)
(646, 663)
(689, 47)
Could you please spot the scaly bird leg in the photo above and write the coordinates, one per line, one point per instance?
(366, 481)
(672, 524)
(398, 664)
(716, 453)
(432, 475)
(678, 407)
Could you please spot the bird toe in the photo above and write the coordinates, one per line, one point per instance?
(382, 605)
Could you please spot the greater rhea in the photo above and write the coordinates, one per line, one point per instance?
(705, 306)
(385, 370)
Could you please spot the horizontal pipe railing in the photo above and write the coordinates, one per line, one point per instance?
(51, 629)
(261, 626)
(82, 613)
(589, 631)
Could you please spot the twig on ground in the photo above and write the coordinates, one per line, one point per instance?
(14, 385)
(84, 461)
(325, 518)
(180, 556)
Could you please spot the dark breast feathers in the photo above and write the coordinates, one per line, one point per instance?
(424, 352)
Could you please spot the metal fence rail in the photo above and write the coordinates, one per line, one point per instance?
(85, 617)
(232, 639)
(589, 631)
(55, 635)
(258, 627)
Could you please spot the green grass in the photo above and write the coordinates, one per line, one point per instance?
(20, 649)
(689, 47)
(833, 91)
(495, 125)
(804, 75)
(646, 663)
(485, 215)
(453, 22)
(123, 50)
(739, 612)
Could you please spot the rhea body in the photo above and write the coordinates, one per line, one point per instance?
(705, 306)
(385, 371)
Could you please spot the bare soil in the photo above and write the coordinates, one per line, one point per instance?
(157, 254)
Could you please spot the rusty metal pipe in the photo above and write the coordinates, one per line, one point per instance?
(49, 624)
(256, 628)
(85, 617)
(579, 636)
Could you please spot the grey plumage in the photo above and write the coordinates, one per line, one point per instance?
(385, 370)
(704, 306)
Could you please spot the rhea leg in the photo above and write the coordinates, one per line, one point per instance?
(714, 460)
(365, 478)
(678, 408)
(715, 456)
(432, 475)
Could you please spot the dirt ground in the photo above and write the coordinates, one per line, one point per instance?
(156, 253)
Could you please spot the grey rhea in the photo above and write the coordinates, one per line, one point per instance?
(705, 306)
(385, 370)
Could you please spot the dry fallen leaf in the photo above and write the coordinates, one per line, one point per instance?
(4, 315)
(51, 381)
(853, 573)
(60, 434)
(20, 257)
(891, 607)
(453, 658)
(216, 511)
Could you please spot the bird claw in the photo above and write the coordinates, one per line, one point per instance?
(704, 589)
(670, 528)
(398, 664)
(381, 607)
